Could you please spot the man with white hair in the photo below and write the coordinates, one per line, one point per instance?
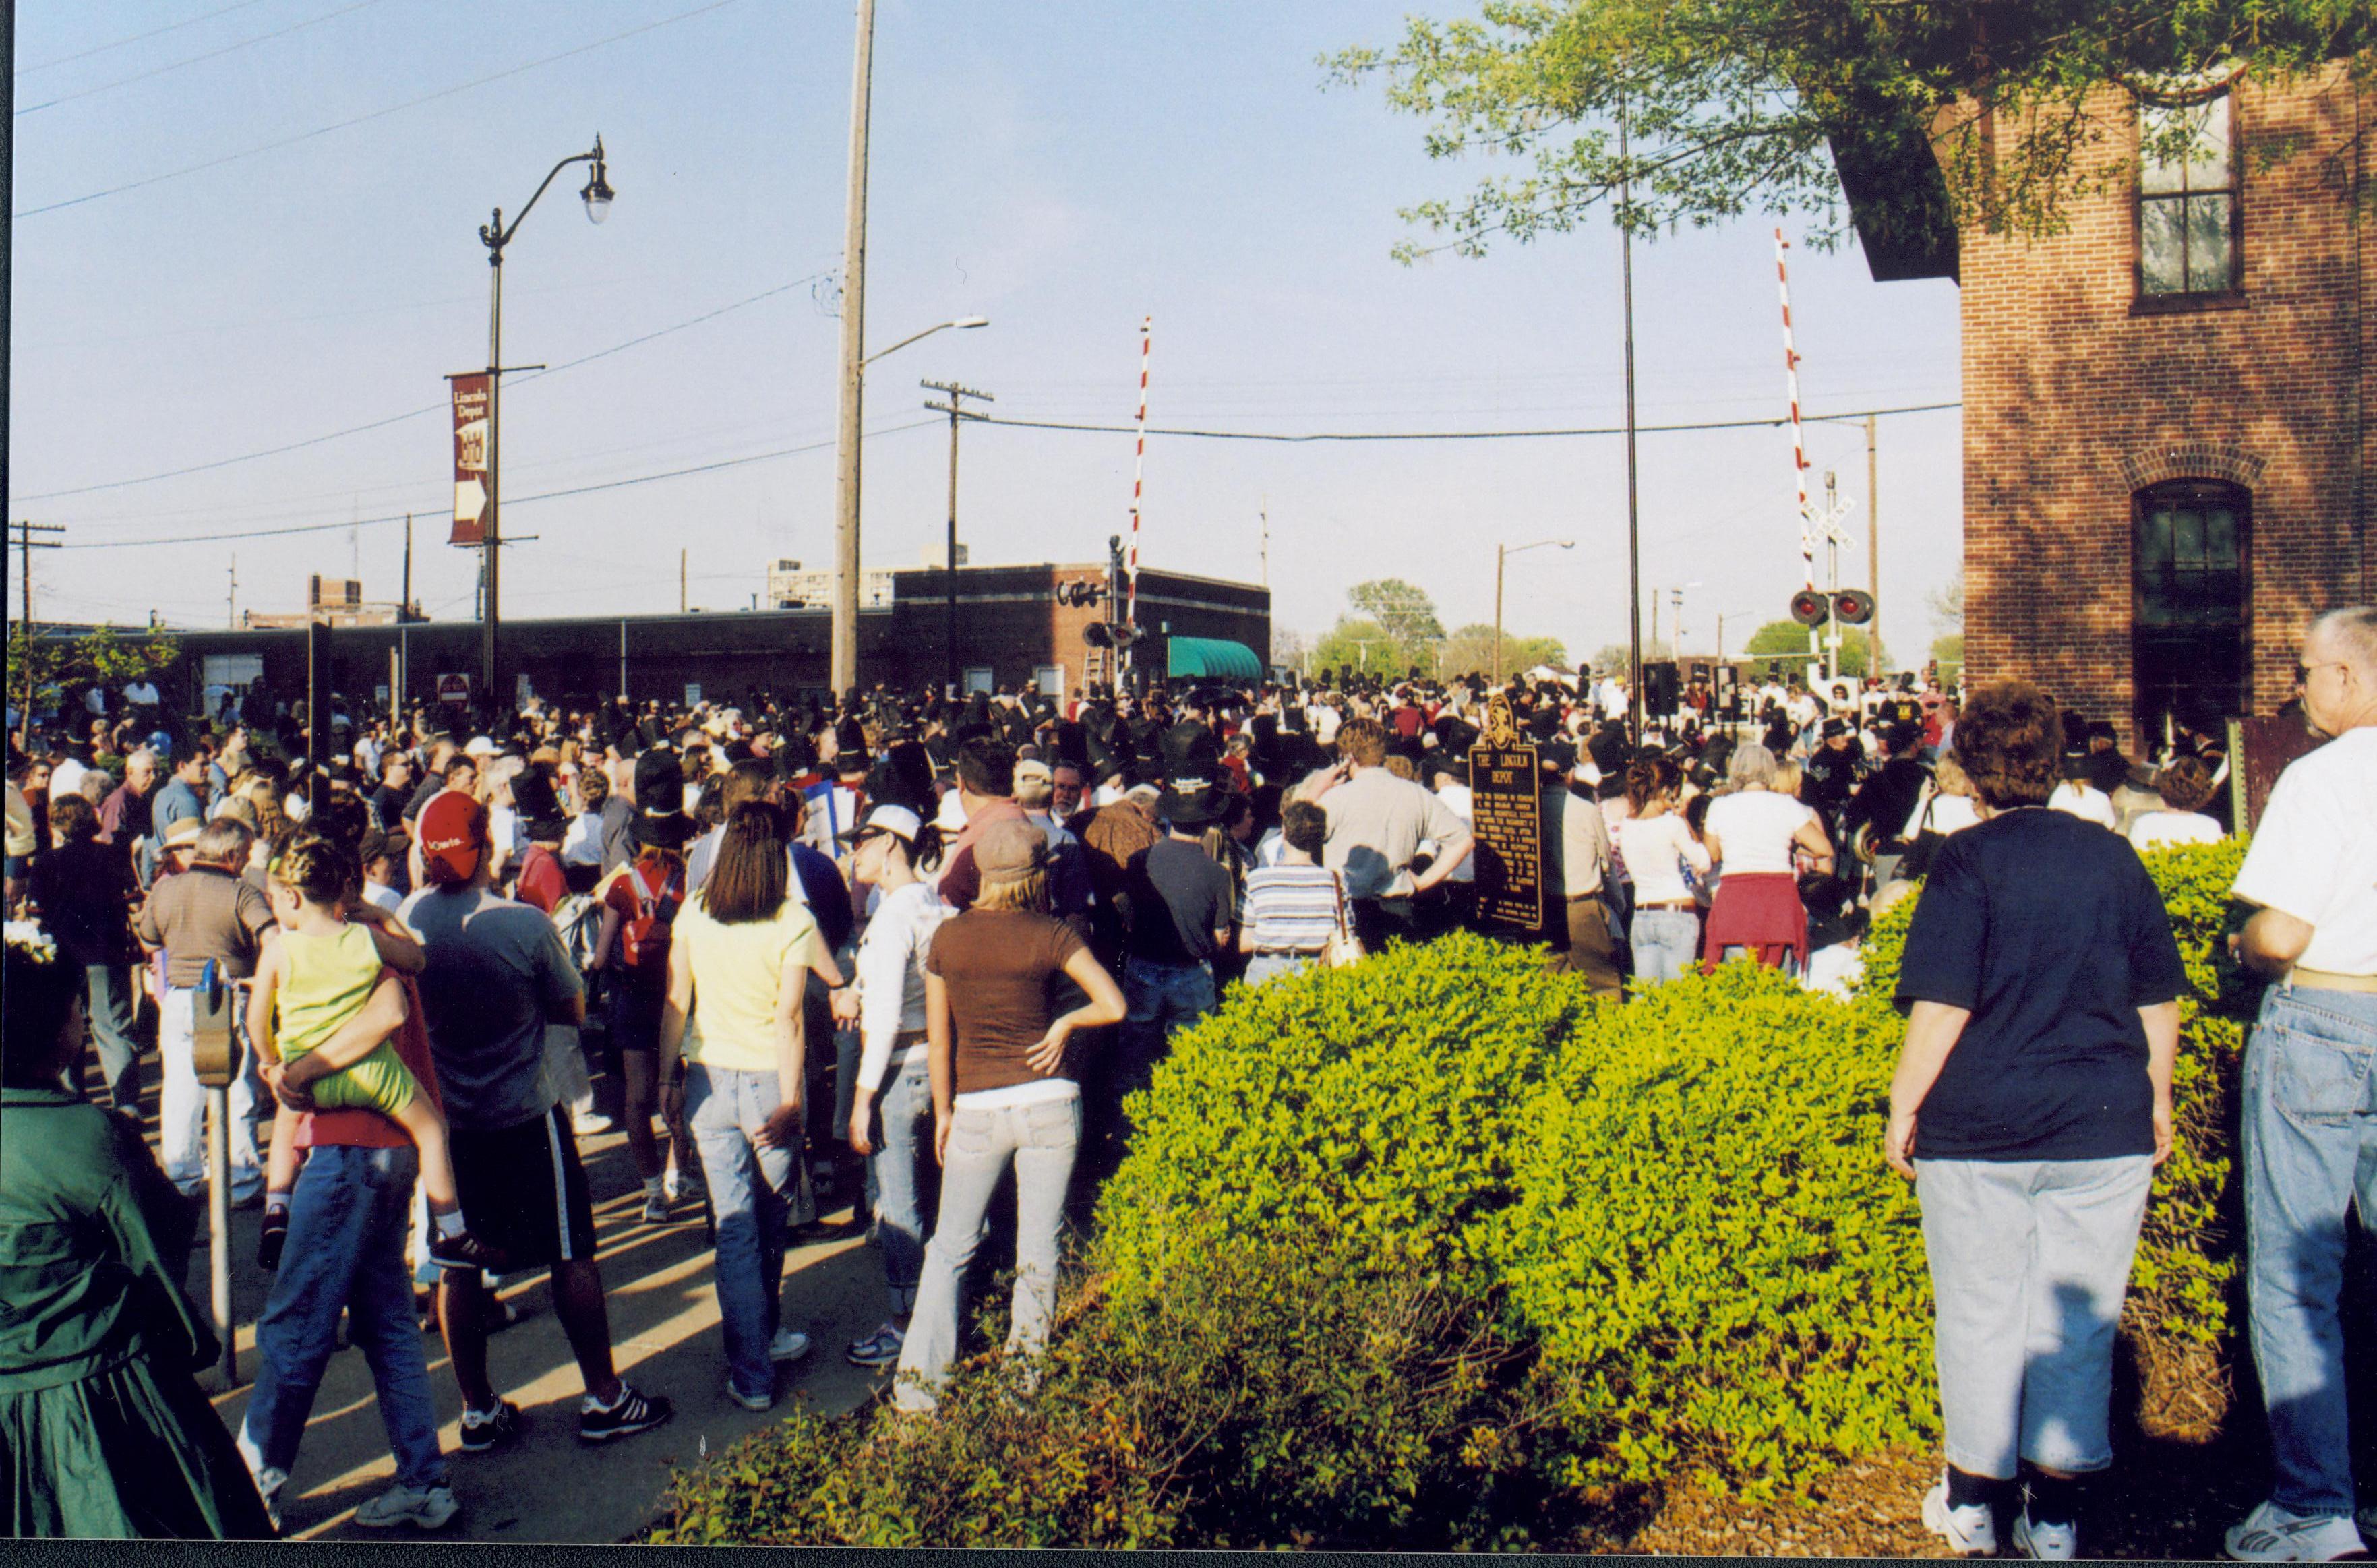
(2310, 1100)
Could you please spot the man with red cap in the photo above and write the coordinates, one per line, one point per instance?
(497, 973)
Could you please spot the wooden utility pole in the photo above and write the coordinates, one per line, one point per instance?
(844, 661)
(231, 598)
(404, 604)
(1874, 547)
(956, 411)
(680, 582)
(26, 544)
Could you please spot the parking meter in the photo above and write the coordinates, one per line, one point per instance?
(211, 1052)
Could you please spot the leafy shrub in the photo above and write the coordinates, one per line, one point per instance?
(1724, 1279)
(1384, 1103)
(2184, 1311)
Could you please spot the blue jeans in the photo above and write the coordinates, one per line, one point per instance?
(750, 1193)
(1163, 999)
(1665, 943)
(902, 1150)
(2309, 1114)
(109, 989)
(1040, 1142)
(345, 1250)
(1271, 966)
(2029, 1261)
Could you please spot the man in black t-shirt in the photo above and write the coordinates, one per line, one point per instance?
(1177, 907)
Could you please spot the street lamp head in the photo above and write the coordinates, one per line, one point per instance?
(597, 194)
(970, 321)
(1567, 543)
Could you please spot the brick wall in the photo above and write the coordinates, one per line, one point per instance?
(2073, 400)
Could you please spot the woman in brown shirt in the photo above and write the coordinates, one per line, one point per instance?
(1002, 1095)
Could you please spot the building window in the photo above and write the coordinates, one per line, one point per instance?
(2188, 616)
(2191, 209)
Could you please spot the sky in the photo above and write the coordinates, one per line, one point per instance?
(256, 225)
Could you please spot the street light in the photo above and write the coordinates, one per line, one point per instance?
(843, 662)
(1501, 554)
(495, 236)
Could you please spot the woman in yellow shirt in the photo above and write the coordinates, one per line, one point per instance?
(740, 963)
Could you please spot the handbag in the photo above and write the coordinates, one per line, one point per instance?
(1345, 949)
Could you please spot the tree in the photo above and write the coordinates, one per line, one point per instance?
(1471, 650)
(1616, 657)
(1733, 106)
(102, 655)
(1948, 651)
(1407, 613)
(1787, 641)
(1359, 643)
(1947, 602)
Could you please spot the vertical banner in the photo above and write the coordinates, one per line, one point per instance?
(470, 459)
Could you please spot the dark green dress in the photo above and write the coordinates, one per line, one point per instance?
(102, 1429)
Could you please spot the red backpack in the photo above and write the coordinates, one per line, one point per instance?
(644, 937)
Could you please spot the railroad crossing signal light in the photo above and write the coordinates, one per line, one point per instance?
(1810, 608)
(1854, 606)
(1108, 634)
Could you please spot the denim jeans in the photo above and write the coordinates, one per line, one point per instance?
(1271, 966)
(2029, 1261)
(345, 1250)
(108, 988)
(1666, 942)
(1039, 1140)
(1163, 999)
(903, 1152)
(750, 1193)
(2309, 1114)
(180, 1114)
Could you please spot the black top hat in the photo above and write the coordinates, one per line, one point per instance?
(1188, 810)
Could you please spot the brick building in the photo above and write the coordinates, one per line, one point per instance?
(2166, 437)
(1012, 631)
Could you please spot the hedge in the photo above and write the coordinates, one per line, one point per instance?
(1440, 1251)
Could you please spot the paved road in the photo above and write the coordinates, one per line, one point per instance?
(548, 1487)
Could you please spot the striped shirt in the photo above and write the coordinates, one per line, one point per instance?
(1291, 908)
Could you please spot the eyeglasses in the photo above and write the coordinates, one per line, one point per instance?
(2302, 671)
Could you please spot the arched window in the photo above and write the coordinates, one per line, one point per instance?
(2190, 592)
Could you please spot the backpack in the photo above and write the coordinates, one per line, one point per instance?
(644, 937)
(579, 919)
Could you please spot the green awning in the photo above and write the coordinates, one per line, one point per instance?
(1213, 657)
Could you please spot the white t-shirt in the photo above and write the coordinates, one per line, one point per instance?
(1953, 814)
(65, 779)
(2314, 855)
(1655, 849)
(1754, 829)
(1464, 802)
(2153, 830)
(2084, 801)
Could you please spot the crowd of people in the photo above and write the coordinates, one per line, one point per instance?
(884, 951)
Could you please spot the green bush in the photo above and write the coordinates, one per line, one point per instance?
(2183, 1313)
(1724, 1279)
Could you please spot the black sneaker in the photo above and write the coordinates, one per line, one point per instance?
(492, 1430)
(630, 1414)
(275, 1236)
(464, 1251)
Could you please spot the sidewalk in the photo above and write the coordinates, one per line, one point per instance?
(547, 1486)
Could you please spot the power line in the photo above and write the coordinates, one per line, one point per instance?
(194, 59)
(418, 413)
(136, 38)
(1440, 435)
(514, 501)
(374, 114)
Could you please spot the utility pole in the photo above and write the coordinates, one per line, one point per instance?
(1873, 547)
(845, 660)
(404, 604)
(1654, 643)
(956, 410)
(1634, 507)
(680, 582)
(26, 544)
(231, 601)
(1832, 572)
(1264, 516)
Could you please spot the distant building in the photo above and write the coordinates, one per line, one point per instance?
(790, 588)
(337, 600)
(2166, 443)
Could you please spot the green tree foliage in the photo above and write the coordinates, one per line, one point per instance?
(1470, 650)
(1739, 106)
(102, 656)
(1407, 613)
(1950, 652)
(1788, 641)
(1360, 643)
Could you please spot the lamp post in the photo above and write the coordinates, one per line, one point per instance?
(1503, 553)
(844, 663)
(495, 236)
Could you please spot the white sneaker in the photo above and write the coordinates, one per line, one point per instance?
(431, 1509)
(790, 1345)
(1971, 1531)
(2048, 1543)
(2272, 1534)
(656, 1205)
(586, 1124)
(676, 1184)
(268, 1482)
(748, 1401)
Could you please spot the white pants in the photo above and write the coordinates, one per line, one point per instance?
(181, 1113)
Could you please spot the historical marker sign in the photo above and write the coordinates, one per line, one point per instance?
(1505, 784)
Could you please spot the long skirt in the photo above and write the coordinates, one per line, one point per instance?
(131, 1452)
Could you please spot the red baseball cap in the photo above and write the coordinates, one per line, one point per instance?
(453, 831)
